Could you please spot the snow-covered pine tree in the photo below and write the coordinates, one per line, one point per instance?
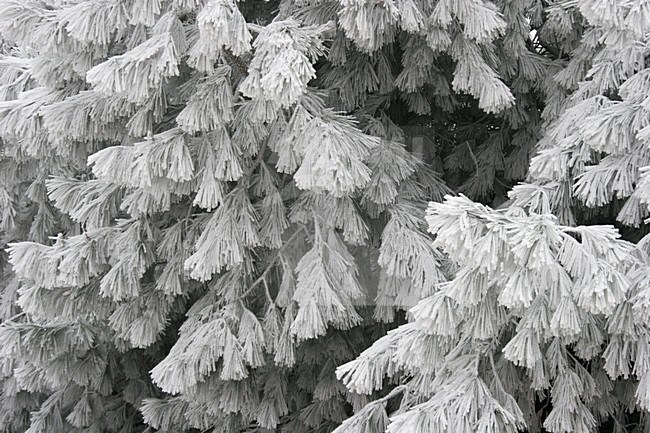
(214, 216)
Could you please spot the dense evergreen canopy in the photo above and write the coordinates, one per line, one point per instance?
(359, 216)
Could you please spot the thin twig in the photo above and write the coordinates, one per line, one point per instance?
(397, 390)
(494, 371)
(17, 316)
(276, 256)
(256, 28)
(471, 153)
(256, 162)
(266, 290)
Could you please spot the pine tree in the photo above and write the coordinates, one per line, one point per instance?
(358, 216)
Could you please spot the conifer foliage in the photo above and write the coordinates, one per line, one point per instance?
(349, 216)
